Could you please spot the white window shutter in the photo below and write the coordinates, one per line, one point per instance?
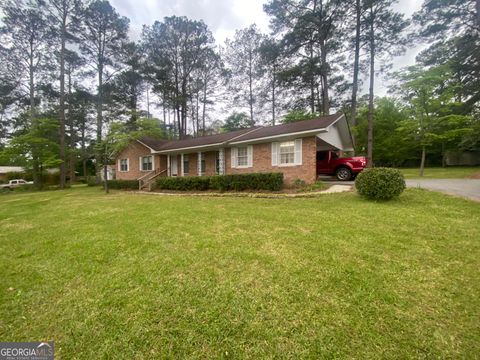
(119, 164)
(233, 153)
(128, 164)
(140, 163)
(298, 151)
(250, 155)
(274, 153)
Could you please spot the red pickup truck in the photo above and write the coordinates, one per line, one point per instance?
(328, 163)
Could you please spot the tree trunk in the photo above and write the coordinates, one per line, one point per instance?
(250, 87)
(62, 104)
(325, 86)
(133, 108)
(197, 112)
(84, 157)
(370, 100)
(422, 162)
(105, 175)
(273, 94)
(98, 156)
(204, 105)
(148, 106)
(37, 178)
(72, 161)
(356, 62)
(312, 82)
(444, 156)
(84, 165)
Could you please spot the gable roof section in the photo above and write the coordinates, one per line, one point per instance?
(244, 135)
(152, 143)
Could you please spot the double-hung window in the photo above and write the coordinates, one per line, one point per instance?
(186, 164)
(123, 165)
(201, 163)
(242, 156)
(287, 152)
(146, 163)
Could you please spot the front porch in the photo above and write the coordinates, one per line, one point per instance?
(198, 163)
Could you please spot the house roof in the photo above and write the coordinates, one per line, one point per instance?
(244, 135)
(153, 143)
(290, 128)
(206, 140)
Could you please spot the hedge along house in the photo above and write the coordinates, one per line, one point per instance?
(288, 148)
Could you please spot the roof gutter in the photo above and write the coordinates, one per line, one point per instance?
(187, 148)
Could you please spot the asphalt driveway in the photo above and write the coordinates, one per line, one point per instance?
(467, 188)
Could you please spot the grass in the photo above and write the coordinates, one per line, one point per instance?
(453, 172)
(128, 276)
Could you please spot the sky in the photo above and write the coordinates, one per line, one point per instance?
(223, 17)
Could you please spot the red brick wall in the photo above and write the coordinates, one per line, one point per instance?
(133, 153)
(262, 162)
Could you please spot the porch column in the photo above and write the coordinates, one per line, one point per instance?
(199, 163)
(168, 165)
(221, 161)
(182, 170)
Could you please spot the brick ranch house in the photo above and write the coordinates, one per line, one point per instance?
(288, 148)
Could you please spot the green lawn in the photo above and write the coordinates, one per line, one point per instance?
(453, 172)
(128, 276)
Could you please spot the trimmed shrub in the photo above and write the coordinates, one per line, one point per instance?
(380, 183)
(91, 181)
(187, 183)
(123, 184)
(238, 182)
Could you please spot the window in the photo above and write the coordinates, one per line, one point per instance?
(242, 156)
(287, 152)
(186, 165)
(202, 163)
(123, 164)
(147, 163)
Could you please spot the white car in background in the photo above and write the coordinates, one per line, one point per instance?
(15, 183)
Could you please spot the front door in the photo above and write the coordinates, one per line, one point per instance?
(173, 165)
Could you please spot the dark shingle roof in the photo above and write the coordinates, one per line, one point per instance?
(205, 140)
(290, 128)
(242, 135)
(153, 143)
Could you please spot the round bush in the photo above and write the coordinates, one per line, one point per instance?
(380, 183)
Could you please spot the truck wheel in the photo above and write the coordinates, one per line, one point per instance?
(343, 173)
